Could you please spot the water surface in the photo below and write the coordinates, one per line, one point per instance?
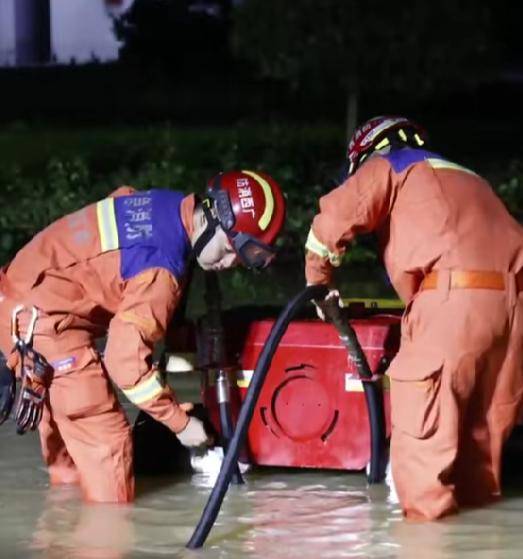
(277, 514)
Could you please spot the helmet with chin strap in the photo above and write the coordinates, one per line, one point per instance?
(381, 132)
(249, 206)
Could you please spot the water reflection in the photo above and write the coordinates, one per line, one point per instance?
(69, 528)
(304, 514)
(277, 514)
(304, 521)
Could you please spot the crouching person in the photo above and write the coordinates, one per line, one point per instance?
(455, 257)
(117, 268)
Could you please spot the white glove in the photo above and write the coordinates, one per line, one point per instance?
(194, 434)
(393, 495)
(320, 307)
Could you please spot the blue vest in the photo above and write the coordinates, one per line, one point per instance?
(147, 228)
(400, 159)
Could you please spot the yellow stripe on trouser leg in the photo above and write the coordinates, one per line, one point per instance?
(314, 245)
(107, 225)
(266, 217)
(146, 390)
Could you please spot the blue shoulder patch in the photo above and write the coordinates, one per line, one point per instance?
(151, 232)
(400, 159)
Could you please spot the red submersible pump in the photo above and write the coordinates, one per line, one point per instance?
(298, 399)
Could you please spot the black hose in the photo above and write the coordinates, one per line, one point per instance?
(226, 423)
(378, 434)
(217, 357)
(373, 394)
(212, 507)
(227, 430)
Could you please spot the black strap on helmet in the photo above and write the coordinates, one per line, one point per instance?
(218, 210)
(222, 204)
(224, 212)
(210, 229)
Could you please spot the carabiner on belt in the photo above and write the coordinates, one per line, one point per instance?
(22, 343)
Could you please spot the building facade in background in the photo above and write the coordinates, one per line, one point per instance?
(34, 32)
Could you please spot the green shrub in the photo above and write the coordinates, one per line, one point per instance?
(91, 164)
(510, 188)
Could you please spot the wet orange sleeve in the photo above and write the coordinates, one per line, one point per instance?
(122, 191)
(357, 206)
(148, 303)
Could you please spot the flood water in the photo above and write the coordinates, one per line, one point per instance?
(277, 514)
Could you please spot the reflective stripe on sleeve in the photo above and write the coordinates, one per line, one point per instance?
(145, 391)
(107, 225)
(314, 245)
(444, 164)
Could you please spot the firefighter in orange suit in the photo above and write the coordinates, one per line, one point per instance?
(117, 267)
(455, 257)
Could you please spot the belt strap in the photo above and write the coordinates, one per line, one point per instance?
(460, 279)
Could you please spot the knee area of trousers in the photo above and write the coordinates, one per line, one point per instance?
(63, 475)
(112, 498)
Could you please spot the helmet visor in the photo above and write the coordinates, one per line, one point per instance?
(253, 253)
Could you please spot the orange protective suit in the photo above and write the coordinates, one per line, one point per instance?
(453, 254)
(73, 272)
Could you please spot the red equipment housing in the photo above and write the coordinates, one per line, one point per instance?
(311, 411)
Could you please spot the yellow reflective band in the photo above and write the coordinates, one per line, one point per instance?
(419, 141)
(382, 144)
(334, 259)
(314, 245)
(266, 217)
(107, 225)
(443, 164)
(402, 135)
(145, 391)
(354, 384)
(374, 303)
(243, 378)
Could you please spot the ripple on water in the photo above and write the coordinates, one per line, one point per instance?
(278, 514)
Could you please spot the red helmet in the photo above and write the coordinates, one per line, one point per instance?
(250, 208)
(379, 132)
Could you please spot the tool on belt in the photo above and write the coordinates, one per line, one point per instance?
(7, 389)
(34, 370)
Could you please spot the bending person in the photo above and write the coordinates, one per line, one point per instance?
(455, 257)
(117, 268)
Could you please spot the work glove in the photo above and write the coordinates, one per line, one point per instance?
(7, 391)
(194, 434)
(30, 404)
(322, 306)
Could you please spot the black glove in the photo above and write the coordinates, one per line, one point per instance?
(30, 404)
(7, 390)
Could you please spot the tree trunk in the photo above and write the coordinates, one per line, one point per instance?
(352, 110)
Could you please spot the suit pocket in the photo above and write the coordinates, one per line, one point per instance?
(415, 395)
(83, 392)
